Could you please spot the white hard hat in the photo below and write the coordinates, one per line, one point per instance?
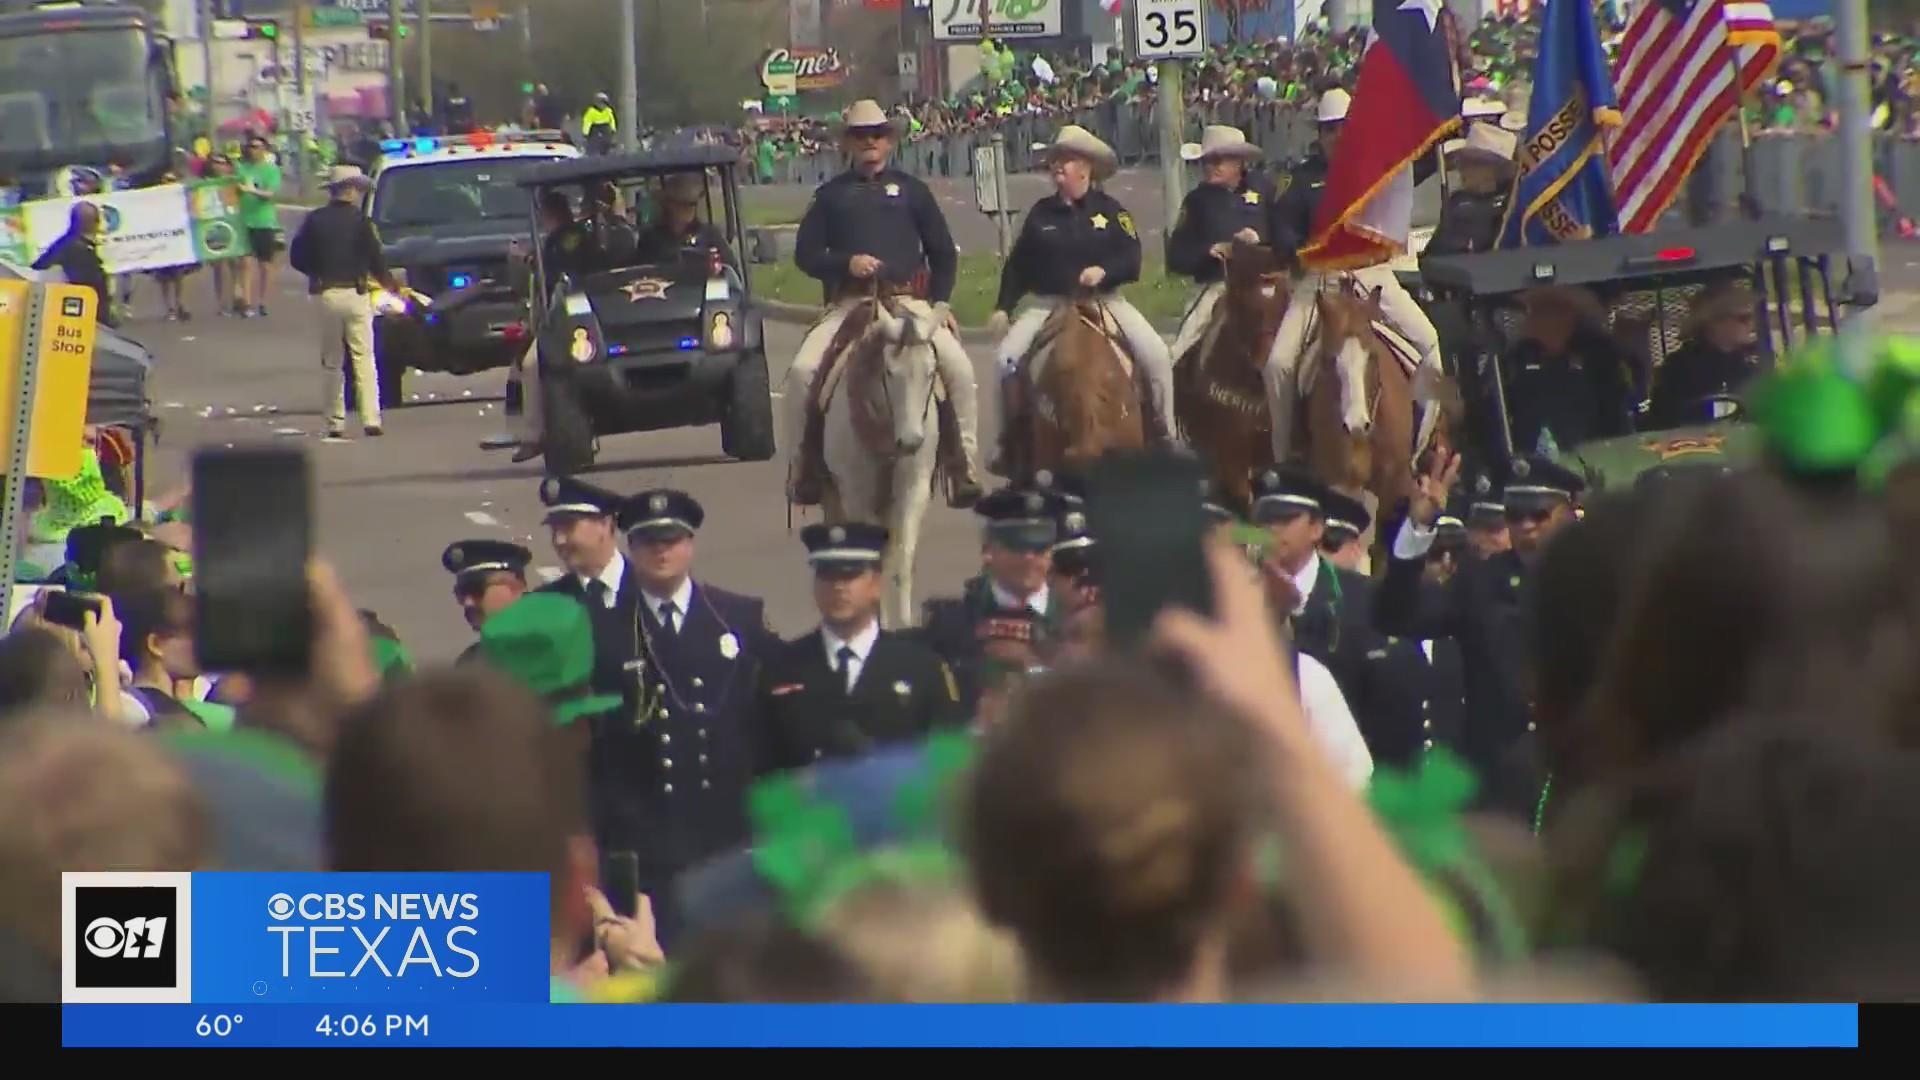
(1333, 106)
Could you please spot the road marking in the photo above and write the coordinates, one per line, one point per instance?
(481, 517)
(547, 573)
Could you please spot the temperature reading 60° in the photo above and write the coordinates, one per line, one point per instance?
(219, 1025)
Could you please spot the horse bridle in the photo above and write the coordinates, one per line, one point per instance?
(886, 390)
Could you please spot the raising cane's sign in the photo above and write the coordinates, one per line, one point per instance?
(813, 69)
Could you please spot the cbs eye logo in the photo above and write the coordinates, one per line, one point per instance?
(280, 906)
(140, 938)
(126, 938)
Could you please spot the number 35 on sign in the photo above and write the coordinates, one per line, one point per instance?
(1169, 29)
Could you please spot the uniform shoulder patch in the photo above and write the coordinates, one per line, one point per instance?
(570, 241)
(1281, 185)
(953, 688)
(1126, 224)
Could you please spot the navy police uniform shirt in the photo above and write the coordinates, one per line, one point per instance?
(1060, 239)
(1581, 396)
(660, 245)
(902, 692)
(1469, 222)
(1210, 215)
(892, 217)
(1416, 700)
(571, 249)
(1299, 199)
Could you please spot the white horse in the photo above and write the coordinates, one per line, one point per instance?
(882, 439)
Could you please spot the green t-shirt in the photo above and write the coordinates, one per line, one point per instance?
(257, 211)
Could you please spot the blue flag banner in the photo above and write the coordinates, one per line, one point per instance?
(1561, 189)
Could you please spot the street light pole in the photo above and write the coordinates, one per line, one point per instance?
(1856, 153)
(1170, 110)
(206, 58)
(629, 116)
(426, 53)
(302, 102)
(396, 78)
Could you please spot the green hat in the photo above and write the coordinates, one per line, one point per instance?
(544, 641)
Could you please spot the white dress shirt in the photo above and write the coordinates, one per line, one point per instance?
(1304, 580)
(1332, 724)
(682, 601)
(611, 575)
(1413, 541)
(862, 645)
(1037, 603)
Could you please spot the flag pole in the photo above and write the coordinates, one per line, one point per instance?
(1749, 202)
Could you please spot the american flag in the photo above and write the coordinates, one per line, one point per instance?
(1676, 77)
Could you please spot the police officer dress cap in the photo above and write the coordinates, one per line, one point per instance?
(1023, 517)
(663, 512)
(1534, 480)
(1280, 492)
(1345, 514)
(1077, 141)
(854, 545)
(566, 495)
(867, 115)
(1219, 141)
(464, 557)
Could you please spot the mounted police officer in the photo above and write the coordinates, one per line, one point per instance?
(1077, 240)
(872, 228)
(1471, 218)
(668, 773)
(1481, 608)
(1022, 526)
(1300, 204)
(1232, 203)
(849, 687)
(487, 576)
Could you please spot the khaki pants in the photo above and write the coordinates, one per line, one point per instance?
(1193, 327)
(1148, 348)
(955, 369)
(1283, 361)
(346, 320)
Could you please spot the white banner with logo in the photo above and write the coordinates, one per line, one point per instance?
(971, 20)
(144, 228)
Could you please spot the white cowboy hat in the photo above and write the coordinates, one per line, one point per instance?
(1078, 141)
(683, 188)
(1333, 106)
(347, 175)
(1219, 140)
(1485, 144)
(865, 115)
(1479, 108)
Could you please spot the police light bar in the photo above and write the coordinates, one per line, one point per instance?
(459, 281)
(1673, 256)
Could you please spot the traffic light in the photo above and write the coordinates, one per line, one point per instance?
(378, 31)
(263, 29)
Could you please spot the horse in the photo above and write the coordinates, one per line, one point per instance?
(1082, 399)
(1360, 413)
(1219, 389)
(881, 436)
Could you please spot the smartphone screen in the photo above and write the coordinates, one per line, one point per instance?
(1144, 510)
(623, 882)
(66, 609)
(252, 537)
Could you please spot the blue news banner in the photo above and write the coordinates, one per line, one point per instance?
(299, 960)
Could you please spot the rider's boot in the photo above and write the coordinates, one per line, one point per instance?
(959, 459)
(808, 485)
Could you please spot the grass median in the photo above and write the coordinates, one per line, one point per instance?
(1160, 298)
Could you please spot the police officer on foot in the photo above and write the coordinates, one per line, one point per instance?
(1078, 240)
(338, 250)
(597, 125)
(849, 687)
(1233, 203)
(487, 576)
(1346, 522)
(872, 228)
(1480, 608)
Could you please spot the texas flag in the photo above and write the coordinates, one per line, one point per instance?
(1112, 7)
(1407, 100)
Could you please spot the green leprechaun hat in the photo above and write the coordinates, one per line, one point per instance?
(544, 641)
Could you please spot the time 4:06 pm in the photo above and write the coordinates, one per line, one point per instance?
(368, 1025)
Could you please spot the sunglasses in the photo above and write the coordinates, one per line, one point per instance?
(1530, 513)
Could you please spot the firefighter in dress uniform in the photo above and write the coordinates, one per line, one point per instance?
(849, 688)
(1233, 202)
(876, 227)
(1077, 240)
(487, 576)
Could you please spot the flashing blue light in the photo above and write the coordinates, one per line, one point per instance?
(616, 350)
(688, 344)
(425, 145)
(433, 317)
(459, 281)
(393, 146)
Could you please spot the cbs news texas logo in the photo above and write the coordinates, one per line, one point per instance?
(126, 938)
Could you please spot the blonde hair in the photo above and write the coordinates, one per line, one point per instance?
(77, 793)
(924, 943)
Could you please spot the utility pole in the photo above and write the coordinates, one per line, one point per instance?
(206, 58)
(396, 78)
(426, 53)
(302, 101)
(1169, 108)
(629, 116)
(1856, 154)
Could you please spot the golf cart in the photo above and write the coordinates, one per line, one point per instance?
(644, 346)
(1646, 286)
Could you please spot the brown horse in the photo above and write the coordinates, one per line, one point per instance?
(1083, 397)
(1219, 389)
(1360, 414)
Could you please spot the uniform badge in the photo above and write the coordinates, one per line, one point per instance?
(657, 504)
(1286, 181)
(1099, 221)
(647, 289)
(903, 688)
(1482, 485)
(729, 646)
(1251, 198)
(1521, 468)
(1076, 522)
(892, 190)
(1126, 224)
(582, 348)
(1513, 582)
(569, 241)
(836, 535)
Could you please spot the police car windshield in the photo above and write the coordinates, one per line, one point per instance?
(452, 192)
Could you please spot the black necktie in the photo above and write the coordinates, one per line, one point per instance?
(845, 668)
(598, 590)
(667, 611)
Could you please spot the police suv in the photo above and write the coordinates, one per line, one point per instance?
(448, 210)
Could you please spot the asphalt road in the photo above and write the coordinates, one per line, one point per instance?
(388, 507)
